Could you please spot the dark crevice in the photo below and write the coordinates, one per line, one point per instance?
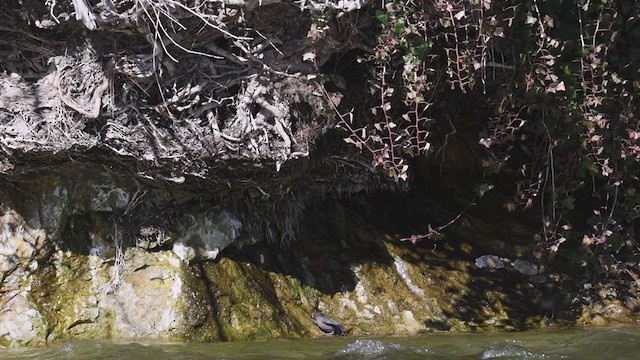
(213, 302)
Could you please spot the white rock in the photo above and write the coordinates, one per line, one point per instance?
(184, 252)
(409, 322)
(489, 262)
(21, 322)
(206, 234)
(525, 267)
(403, 272)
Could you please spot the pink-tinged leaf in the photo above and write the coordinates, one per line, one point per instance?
(459, 15)
(560, 86)
(486, 142)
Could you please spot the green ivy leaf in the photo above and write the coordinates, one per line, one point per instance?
(591, 167)
(398, 27)
(617, 242)
(382, 17)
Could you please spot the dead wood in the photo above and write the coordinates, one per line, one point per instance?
(225, 93)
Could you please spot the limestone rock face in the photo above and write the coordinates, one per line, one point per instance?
(80, 271)
(20, 322)
(72, 264)
(19, 242)
(93, 255)
(148, 300)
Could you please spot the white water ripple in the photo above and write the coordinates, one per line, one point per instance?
(376, 349)
(512, 352)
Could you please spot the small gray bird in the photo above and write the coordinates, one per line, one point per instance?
(549, 302)
(327, 324)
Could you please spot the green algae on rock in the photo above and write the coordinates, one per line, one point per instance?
(373, 285)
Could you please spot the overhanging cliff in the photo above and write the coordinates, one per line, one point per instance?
(226, 101)
(147, 146)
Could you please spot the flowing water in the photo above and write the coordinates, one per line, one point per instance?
(623, 343)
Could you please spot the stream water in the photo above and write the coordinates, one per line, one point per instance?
(622, 343)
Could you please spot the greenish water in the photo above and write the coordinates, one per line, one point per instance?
(575, 344)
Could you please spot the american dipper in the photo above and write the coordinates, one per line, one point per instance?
(549, 302)
(327, 324)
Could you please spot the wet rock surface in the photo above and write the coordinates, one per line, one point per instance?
(80, 272)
